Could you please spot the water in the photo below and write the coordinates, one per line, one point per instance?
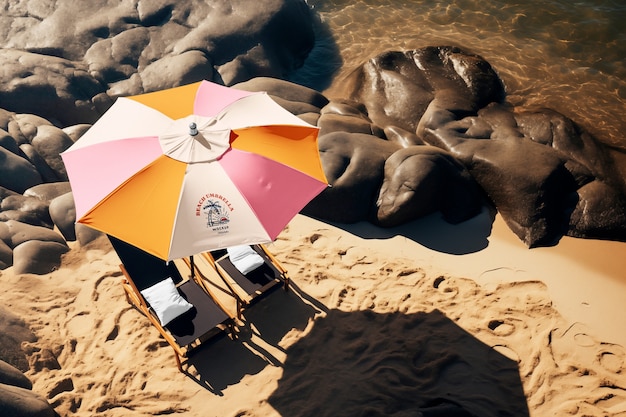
(565, 55)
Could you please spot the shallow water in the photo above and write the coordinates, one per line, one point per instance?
(568, 56)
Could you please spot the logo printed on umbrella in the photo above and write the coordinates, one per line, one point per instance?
(217, 210)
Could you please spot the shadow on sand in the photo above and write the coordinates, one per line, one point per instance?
(224, 362)
(433, 232)
(371, 364)
(365, 363)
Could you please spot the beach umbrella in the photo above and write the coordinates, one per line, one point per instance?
(194, 168)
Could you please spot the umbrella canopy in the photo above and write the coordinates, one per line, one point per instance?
(194, 168)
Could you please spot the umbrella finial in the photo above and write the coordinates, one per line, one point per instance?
(193, 131)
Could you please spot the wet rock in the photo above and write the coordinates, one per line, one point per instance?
(353, 164)
(545, 175)
(339, 118)
(420, 180)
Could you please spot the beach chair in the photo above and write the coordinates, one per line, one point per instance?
(247, 280)
(183, 311)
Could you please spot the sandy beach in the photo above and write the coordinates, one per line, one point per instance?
(379, 322)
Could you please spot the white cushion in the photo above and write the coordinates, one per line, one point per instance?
(166, 301)
(245, 258)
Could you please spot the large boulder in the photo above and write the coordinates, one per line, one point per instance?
(420, 180)
(38, 257)
(17, 173)
(21, 232)
(17, 401)
(68, 69)
(353, 164)
(10, 375)
(63, 214)
(23, 209)
(545, 175)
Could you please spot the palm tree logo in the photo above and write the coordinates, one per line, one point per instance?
(216, 215)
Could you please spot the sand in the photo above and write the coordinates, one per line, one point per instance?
(377, 323)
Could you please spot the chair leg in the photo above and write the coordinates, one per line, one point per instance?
(178, 362)
(239, 309)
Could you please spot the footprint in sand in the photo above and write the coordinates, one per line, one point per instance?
(507, 352)
(613, 361)
(446, 287)
(501, 328)
(81, 323)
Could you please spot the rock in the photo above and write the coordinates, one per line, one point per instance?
(285, 90)
(6, 255)
(342, 117)
(4, 193)
(402, 137)
(546, 176)
(353, 164)
(38, 257)
(600, 213)
(21, 232)
(420, 180)
(48, 191)
(52, 87)
(74, 132)
(40, 164)
(63, 215)
(49, 142)
(175, 70)
(29, 210)
(23, 127)
(397, 87)
(16, 173)
(5, 234)
(129, 48)
(7, 142)
(10, 375)
(86, 235)
(16, 401)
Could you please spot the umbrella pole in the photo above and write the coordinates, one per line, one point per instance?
(192, 267)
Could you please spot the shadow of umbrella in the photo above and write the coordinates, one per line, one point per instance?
(366, 363)
(225, 362)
